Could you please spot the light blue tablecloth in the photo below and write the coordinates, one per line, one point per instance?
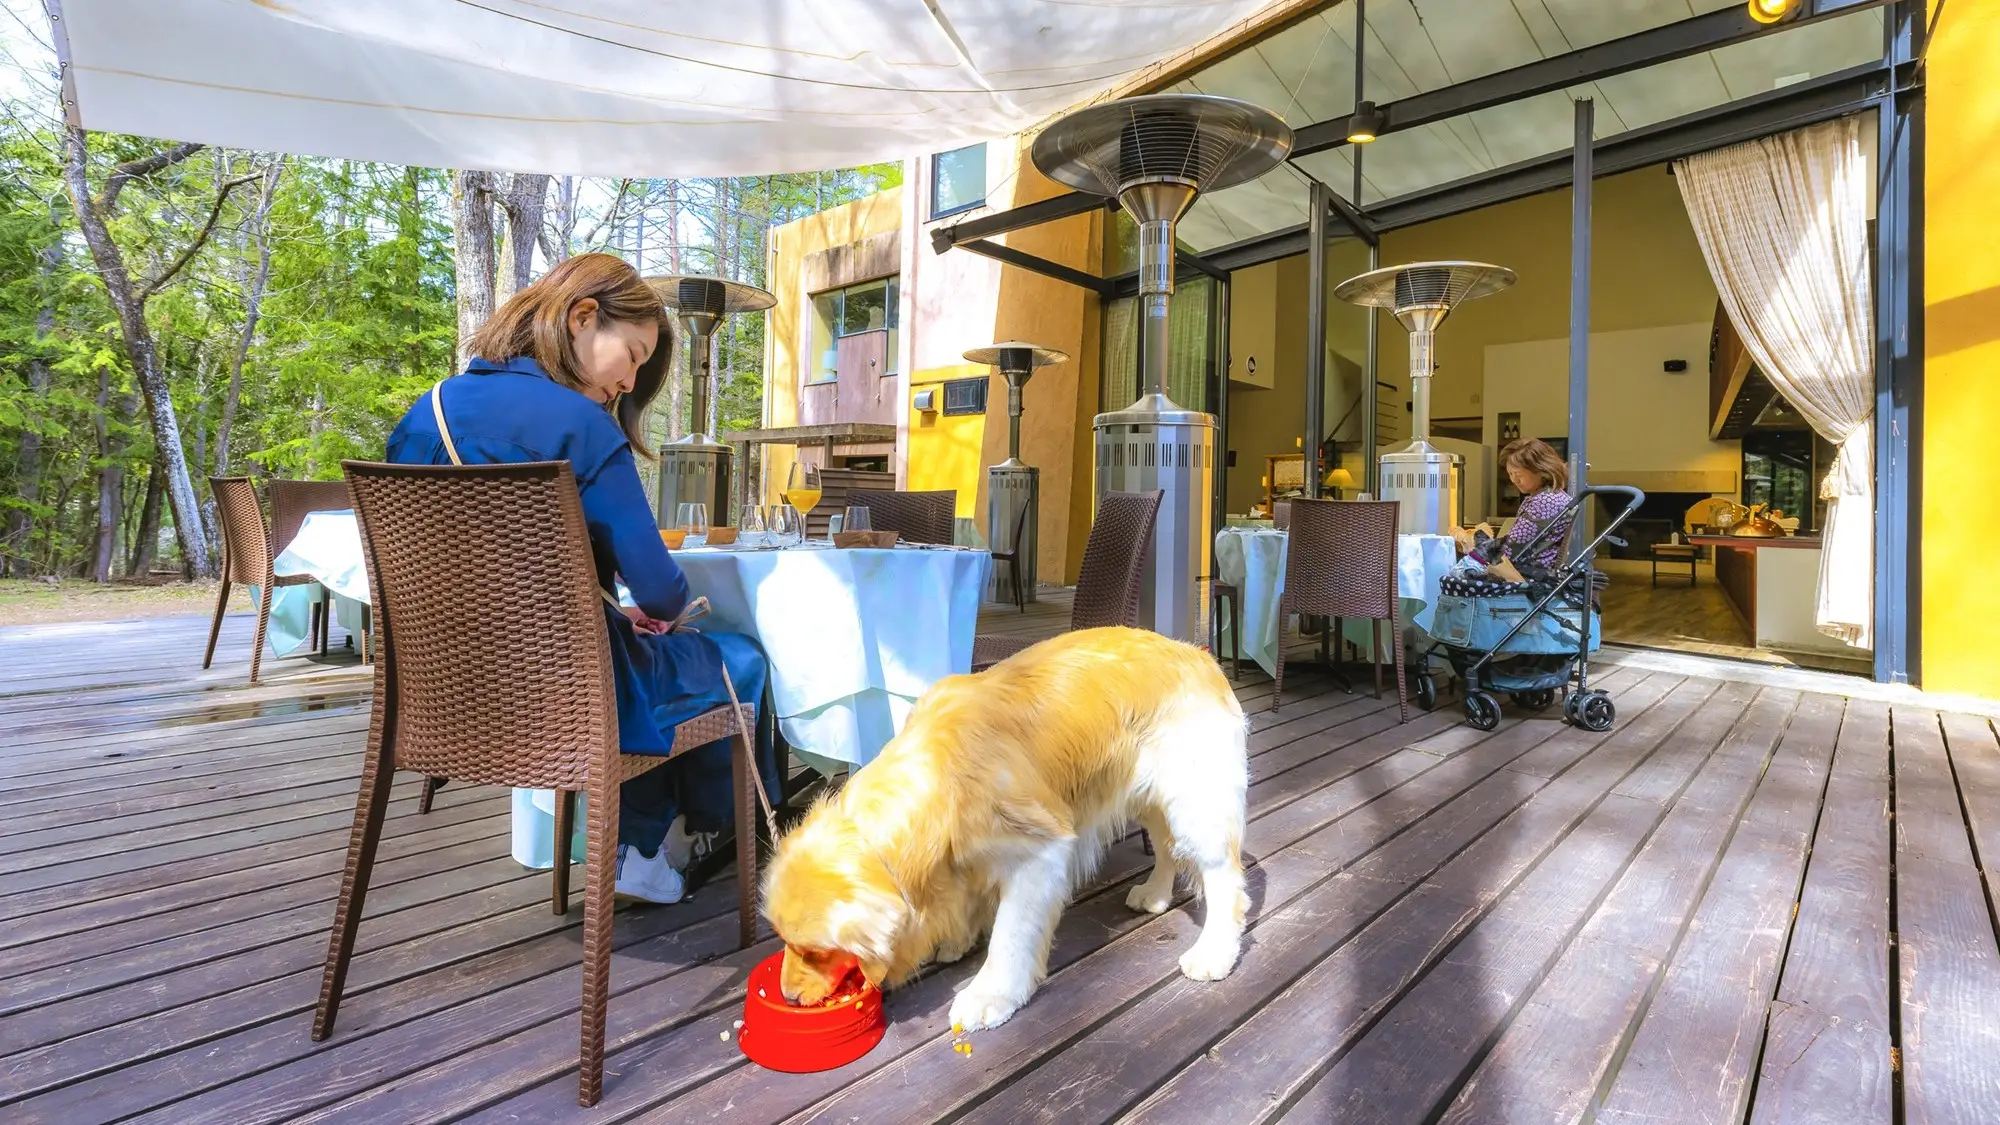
(854, 636)
(328, 548)
(1253, 560)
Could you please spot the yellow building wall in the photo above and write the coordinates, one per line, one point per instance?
(945, 449)
(788, 326)
(1961, 397)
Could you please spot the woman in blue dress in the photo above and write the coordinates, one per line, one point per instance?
(564, 372)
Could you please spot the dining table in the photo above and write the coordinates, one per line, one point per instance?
(1252, 559)
(853, 635)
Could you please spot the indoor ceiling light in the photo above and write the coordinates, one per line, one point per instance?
(1366, 124)
(1772, 11)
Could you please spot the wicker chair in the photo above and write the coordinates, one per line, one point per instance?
(291, 502)
(1110, 585)
(495, 669)
(247, 553)
(1340, 563)
(1012, 557)
(915, 517)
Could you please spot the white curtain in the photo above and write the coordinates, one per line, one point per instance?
(1783, 222)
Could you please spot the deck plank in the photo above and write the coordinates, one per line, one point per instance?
(1826, 1049)
(1694, 1054)
(1950, 968)
(1547, 1064)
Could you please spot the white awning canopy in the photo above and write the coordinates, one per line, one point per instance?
(610, 87)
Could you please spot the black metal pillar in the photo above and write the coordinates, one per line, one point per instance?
(1899, 353)
(1579, 300)
(1321, 211)
(1218, 366)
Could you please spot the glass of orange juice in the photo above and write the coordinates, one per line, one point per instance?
(802, 491)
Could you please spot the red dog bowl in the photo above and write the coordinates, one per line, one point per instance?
(801, 1039)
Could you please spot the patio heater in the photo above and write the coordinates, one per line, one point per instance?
(1426, 480)
(1013, 487)
(1155, 154)
(695, 468)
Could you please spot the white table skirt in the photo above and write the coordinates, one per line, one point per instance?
(1253, 560)
(328, 549)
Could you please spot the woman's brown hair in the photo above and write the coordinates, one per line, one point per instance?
(535, 323)
(1539, 458)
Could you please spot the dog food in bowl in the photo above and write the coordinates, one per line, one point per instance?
(799, 1039)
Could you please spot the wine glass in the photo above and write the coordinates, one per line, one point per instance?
(694, 520)
(753, 533)
(802, 491)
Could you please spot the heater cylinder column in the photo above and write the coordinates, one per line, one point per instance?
(697, 468)
(1014, 489)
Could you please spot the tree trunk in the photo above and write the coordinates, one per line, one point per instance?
(130, 305)
(21, 521)
(525, 201)
(472, 253)
(145, 544)
(253, 302)
(110, 484)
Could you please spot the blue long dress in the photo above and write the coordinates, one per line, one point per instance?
(511, 411)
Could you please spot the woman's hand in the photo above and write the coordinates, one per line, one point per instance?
(643, 623)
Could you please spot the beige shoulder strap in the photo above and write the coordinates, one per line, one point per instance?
(451, 450)
(444, 431)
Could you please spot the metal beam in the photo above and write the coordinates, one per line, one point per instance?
(1027, 215)
(1836, 94)
(1581, 183)
(1356, 219)
(1321, 211)
(1043, 266)
(1691, 36)
(1899, 351)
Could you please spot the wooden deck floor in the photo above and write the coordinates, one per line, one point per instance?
(1742, 904)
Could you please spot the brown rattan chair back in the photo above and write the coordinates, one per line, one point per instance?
(494, 655)
(246, 541)
(291, 502)
(1281, 514)
(915, 517)
(1341, 560)
(1108, 587)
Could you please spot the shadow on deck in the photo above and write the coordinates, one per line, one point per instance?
(1688, 919)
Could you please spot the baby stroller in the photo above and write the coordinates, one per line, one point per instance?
(1529, 639)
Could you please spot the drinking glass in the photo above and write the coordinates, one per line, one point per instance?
(752, 533)
(855, 518)
(790, 527)
(694, 520)
(802, 491)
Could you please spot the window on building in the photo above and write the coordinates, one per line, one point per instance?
(839, 313)
(958, 180)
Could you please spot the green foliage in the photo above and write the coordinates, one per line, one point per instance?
(357, 316)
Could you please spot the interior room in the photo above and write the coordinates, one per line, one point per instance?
(1676, 409)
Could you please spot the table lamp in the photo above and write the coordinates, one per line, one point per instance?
(1339, 479)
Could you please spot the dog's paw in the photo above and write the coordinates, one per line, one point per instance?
(950, 954)
(976, 1008)
(1208, 961)
(1144, 899)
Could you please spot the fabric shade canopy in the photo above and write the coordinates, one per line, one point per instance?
(610, 87)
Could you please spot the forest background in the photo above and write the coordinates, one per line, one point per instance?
(171, 312)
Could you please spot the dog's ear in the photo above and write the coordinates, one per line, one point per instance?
(1026, 818)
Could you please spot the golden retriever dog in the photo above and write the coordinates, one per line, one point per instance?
(998, 799)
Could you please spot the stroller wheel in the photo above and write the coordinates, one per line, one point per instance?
(1535, 700)
(1596, 712)
(1482, 710)
(1427, 691)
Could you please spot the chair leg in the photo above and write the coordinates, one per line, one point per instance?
(431, 786)
(264, 597)
(1236, 634)
(1278, 673)
(1375, 652)
(215, 626)
(743, 775)
(369, 808)
(1396, 639)
(600, 876)
(1020, 597)
(367, 635)
(565, 825)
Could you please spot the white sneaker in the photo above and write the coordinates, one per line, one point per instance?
(648, 878)
(684, 848)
